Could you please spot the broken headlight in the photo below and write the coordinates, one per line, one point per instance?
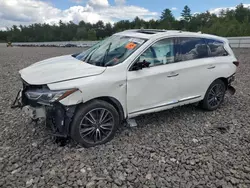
(48, 96)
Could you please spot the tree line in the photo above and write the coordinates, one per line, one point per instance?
(228, 23)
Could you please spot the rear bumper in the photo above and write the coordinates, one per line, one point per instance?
(230, 88)
(231, 79)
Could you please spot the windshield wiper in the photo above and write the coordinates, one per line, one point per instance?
(106, 53)
(89, 55)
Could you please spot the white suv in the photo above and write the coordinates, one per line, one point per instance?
(86, 96)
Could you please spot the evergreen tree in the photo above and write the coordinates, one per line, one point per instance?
(167, 19)
(186, 14)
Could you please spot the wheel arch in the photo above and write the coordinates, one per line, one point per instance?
(113, 101)
(118, 106)
(224, 80)
(204, 104)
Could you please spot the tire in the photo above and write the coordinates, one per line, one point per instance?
(94, 123)
(214, 95)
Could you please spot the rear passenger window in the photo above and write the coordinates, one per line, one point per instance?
(216, 48)
(193, 48)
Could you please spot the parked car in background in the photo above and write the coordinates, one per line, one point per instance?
(86, 96)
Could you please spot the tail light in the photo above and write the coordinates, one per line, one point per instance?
(236, 63)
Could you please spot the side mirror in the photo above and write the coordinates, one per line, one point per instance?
(140, 65)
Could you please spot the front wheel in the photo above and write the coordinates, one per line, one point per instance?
(214, 95)
(94, 123)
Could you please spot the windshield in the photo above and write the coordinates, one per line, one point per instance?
(111, 51)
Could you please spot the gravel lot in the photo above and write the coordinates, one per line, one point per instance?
(182, 147)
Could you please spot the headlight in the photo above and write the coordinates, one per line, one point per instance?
(48, 96)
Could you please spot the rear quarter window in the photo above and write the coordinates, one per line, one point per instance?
(216, 48)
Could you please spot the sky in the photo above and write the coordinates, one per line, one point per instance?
(25, 12)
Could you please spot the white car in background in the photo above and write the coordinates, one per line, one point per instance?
(86, 96)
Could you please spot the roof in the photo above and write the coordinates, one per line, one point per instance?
(156, 33)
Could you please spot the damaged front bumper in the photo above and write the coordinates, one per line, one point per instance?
(34, 112)
(56, 115)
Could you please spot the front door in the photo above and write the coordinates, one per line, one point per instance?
(155, 87)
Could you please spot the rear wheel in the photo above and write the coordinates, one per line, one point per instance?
(214, 95)
(94, 123)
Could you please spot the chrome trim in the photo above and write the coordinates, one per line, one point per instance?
(172, 102)
(189, 98)
(169, 103)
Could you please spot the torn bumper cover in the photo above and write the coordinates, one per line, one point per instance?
(57, 116)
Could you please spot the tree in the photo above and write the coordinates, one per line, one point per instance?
(152, 24)
(3, 36)
(167, 19)
(82, 33)
(137, 23)
(92, 34)
(242, 13)
(122, 25)
(186, 14)
(99, 25)
(167, 15)
(201, 21)
(108, 29)
(99, 28)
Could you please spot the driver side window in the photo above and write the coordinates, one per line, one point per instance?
(160, 53)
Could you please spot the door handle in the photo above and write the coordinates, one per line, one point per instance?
(211, 67)
(173, 75)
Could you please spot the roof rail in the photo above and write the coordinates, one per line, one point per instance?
(159, 30)
(151, 31)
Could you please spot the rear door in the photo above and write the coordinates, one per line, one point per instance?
(195, 69)
(223, 58)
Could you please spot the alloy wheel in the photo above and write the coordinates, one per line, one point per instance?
(216, 95)
(96, 125)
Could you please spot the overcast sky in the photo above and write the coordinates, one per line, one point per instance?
(25, 12)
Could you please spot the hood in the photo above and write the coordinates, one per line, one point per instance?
(58, 69)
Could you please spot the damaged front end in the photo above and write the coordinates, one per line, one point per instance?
(38, 101)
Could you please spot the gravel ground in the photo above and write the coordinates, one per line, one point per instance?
(182, 147)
